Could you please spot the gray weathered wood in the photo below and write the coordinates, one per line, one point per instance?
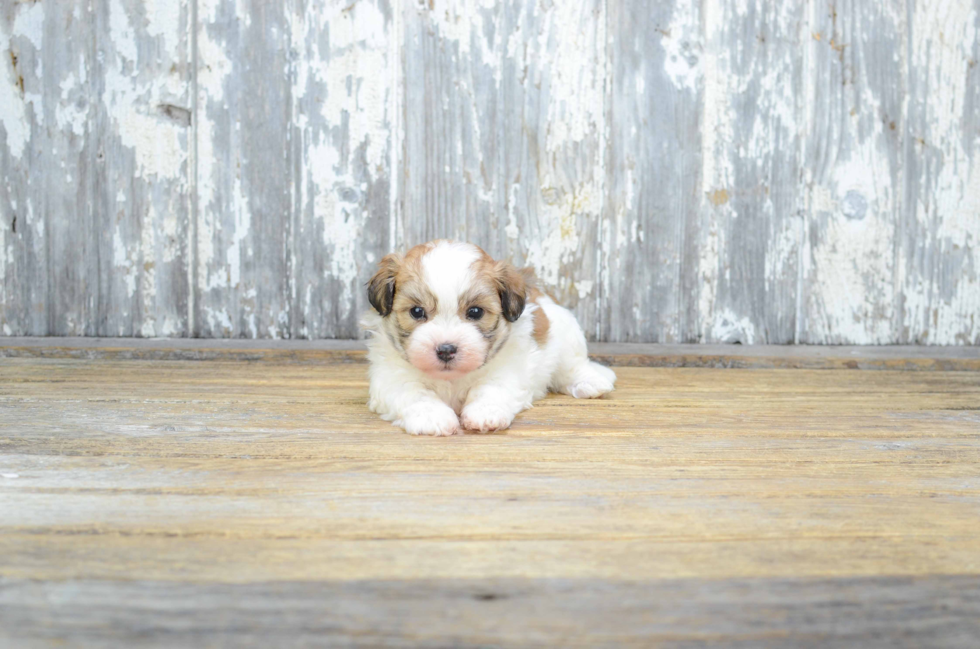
(50, 118)
(504, 127)
(749, 242)
(855, 85)
(340, 150)
(95, 169)
(937, 258)
(940, 611)
(141, 72)
(799, 172)
(24, 278)
(244, 229)
(651, 279)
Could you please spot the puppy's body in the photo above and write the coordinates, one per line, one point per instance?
(460, 342)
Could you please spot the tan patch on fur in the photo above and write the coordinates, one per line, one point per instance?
(400, 277)
(411, 290)
(534, 294)
(505, 281)
(541, 323)
(499, 289)
(484, 294)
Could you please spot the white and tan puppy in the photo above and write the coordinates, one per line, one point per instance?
(460, 341)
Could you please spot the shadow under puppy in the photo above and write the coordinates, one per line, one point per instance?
(460, 341)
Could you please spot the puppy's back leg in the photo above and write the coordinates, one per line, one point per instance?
(575, 374)
(585, 380)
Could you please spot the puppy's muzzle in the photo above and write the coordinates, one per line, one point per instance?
(446, 352)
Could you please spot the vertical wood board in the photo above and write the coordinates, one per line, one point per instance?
(727, 171)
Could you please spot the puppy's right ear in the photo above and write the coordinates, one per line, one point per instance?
(381, 288)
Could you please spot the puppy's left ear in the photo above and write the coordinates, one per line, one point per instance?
(512, 289)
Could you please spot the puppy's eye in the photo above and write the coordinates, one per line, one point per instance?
(474, 313)
(417, 312)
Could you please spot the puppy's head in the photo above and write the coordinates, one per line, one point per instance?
(447, 306)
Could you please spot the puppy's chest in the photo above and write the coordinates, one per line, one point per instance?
(452, 394)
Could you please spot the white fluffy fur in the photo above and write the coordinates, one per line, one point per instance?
(491, 395)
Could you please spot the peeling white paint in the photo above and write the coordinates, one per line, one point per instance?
(218, 320)
(123, 262)
(233, 254)
(682, 50)
(717, 136)
(576, 101)
(561, 211)
(728, 327)
(28, 28)
(943, 307)
(213, 71)
(148, 274)
(860, 279)
(70, 113)
(163, 20)
(29, 24)
(584, 287)
(132, 104)
(358, 59)
(353, 77)
(850, 276)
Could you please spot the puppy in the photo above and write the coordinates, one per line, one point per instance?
(460, 341)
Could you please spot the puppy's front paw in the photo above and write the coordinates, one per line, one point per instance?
(429, 419)
(484, 417)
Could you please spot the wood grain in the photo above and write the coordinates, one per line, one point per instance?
(96, 244)
(503, 143)
(751, 199)
(870, 612)
(942, 206)
(699, 505)
(244, 171)
(341, 153)
(716, 172)
(650, 280)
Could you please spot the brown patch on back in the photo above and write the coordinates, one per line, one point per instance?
(541, 323)
(534, 294)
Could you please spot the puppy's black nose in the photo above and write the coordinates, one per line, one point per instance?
(446, 352)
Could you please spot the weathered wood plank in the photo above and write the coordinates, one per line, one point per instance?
(341, 151)
(504, 127)
(178, 501)
(142, 70)
(751, 230)
(860, 611)
(853, 173)
(96, 169)
(50, 164)
(937, 256)
(722, 172)
(650, 277)
(23, 245)
(245, 171)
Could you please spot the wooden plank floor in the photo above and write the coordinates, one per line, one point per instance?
(232, 503)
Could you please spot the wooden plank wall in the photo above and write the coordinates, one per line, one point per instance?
(724, 171)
